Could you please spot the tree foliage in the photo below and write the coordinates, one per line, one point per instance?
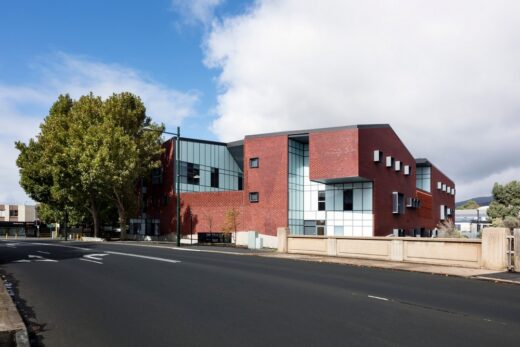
(447, 229)
(469, 205)
(506, 201)
(89, 154)
(231, 221)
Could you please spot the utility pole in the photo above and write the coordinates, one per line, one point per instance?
(178, 183)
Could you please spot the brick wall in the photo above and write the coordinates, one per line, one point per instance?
(333, 154)
(210, 208)
(269, 180)
(439, 197)
(387, 179)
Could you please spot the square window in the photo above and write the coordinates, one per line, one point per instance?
(253, 197)
(254, 163)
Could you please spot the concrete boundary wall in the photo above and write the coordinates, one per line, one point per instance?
(489, 253)
(451, 252)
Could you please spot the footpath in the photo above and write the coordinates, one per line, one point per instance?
(480, 274)
(12, 327)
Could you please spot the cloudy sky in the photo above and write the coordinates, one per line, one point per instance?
(444, 74)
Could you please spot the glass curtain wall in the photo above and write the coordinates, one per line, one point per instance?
(296, 185)
(207, 167)
(343, 209)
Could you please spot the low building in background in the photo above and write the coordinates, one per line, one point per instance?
(17, 219)
(470, 222)
(356, 181)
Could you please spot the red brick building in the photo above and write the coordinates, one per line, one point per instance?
(347, 181)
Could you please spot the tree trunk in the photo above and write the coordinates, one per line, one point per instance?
(121, 210)
(93, 209)
(122, 220)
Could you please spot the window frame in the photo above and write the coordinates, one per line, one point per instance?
(252, 161)
(322, 205)
(214, 177)
(398, 203)
(345, 205)
(252, 199)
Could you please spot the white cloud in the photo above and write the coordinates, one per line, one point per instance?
(444, 74)
(23, 107)
(196, 11)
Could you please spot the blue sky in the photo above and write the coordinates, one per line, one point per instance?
(159, 39)
(443, 74)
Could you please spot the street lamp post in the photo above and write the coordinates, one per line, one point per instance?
(177, 179)
(178, 184)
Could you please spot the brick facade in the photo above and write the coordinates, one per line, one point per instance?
(335, 155)
(269, 180)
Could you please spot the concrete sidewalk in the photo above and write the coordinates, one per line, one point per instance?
(12, 327)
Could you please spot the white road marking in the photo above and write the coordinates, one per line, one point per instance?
(40, 258)
(144, 257)
(13, 245)
(59, 245)
(22, 261)
(92, 261)
(43, 252)
(95, 257)
(378, 298)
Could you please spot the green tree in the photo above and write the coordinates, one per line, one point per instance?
(469, 205)
(90, 153)
(131, 147)
(506, 202)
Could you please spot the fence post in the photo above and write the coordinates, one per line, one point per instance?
(494, 248)
(283, 234)
(397, 250)
(332, 250)
(517, 250)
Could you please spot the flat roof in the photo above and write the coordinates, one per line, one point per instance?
(318, 130)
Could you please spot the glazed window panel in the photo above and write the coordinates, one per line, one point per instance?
(423, 178)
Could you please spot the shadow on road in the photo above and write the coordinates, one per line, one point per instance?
(34, 328)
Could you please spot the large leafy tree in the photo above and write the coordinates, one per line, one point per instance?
(131, 150)
(506, 202)
(90, 153)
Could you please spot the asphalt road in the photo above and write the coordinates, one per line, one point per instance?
(78, 294)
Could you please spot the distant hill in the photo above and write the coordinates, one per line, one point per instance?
(481, 200)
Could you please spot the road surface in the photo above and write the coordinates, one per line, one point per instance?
(108, 294)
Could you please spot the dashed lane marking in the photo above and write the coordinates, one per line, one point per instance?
(377, 297)
(43, 252)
